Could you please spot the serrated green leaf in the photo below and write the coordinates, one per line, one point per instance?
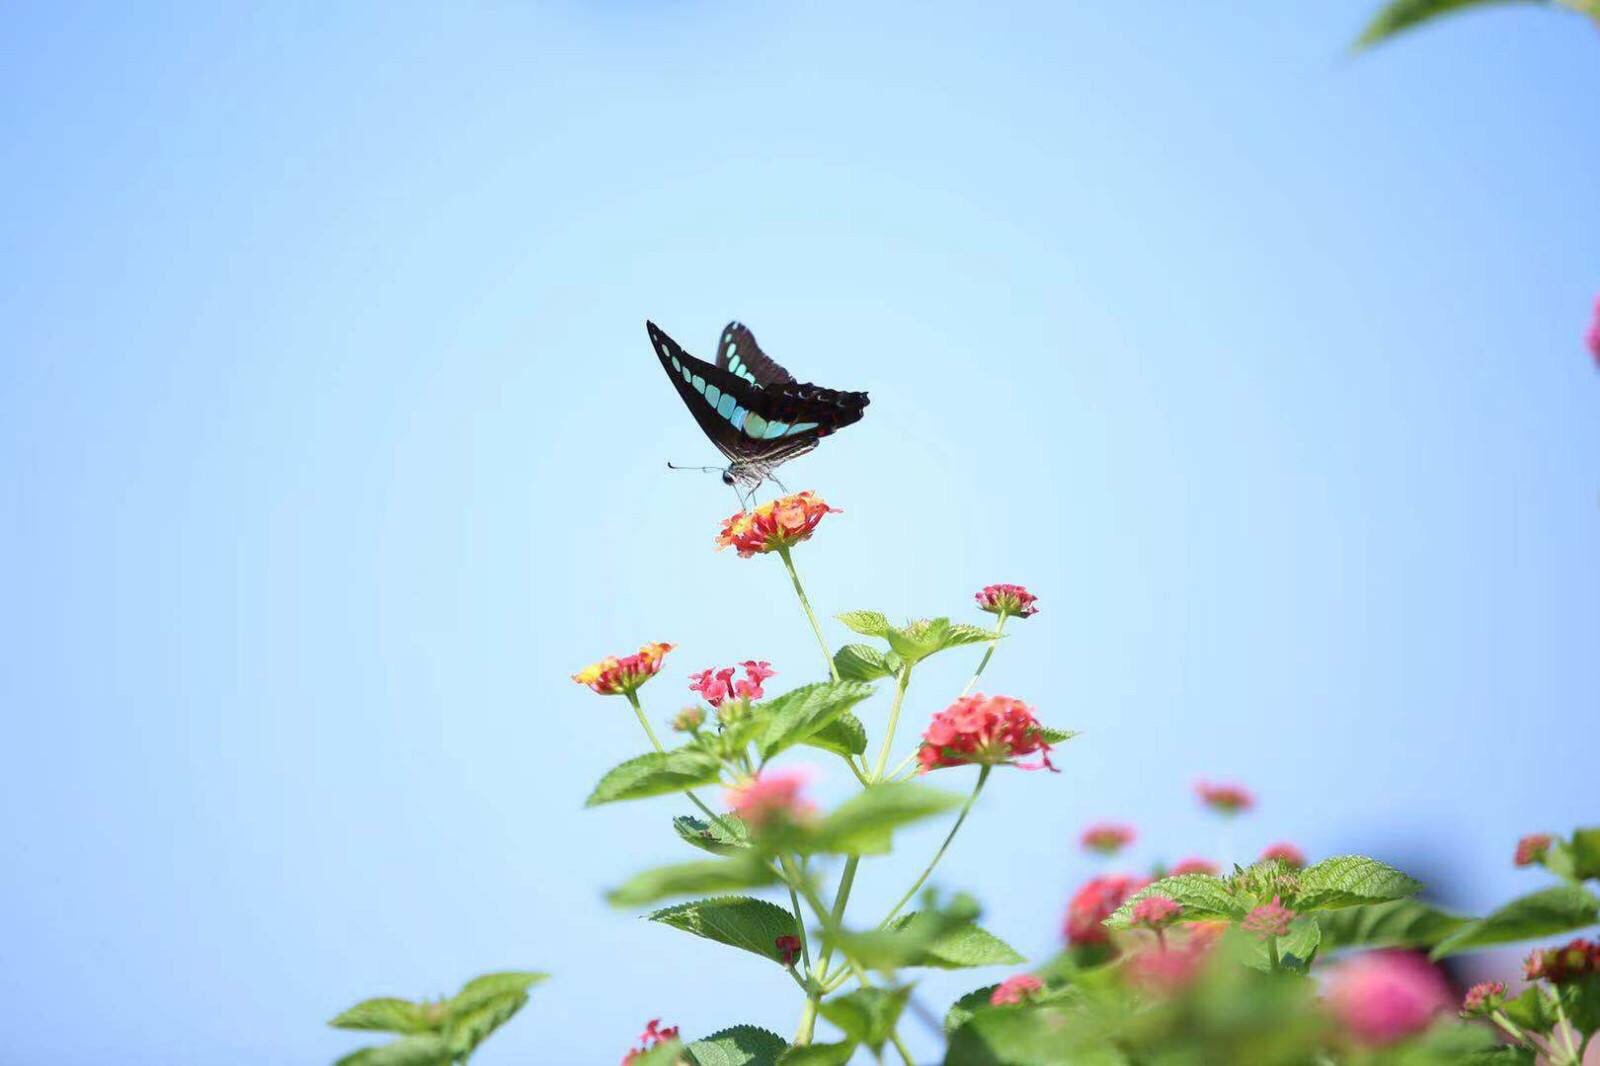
(753, 925)
(845, 735)
(867, 1015)
(426, 1049)
(489, 985)
(655, 774)
(1400, 923)
(1398, 16)
(960, 633)
(1057, 736)
(1531, 1010)
(867, 623)
(741, 1045)
(861, 662)
(819, 1054)
(918, 640)
(1202, 897)
(960, 946)
(1351, 880)
(1561, 909)
(1038, 1036)
(796, 715)
(725, 836)
(962, 1010)
(692, 879)
(471, 1026)
(386, 1014)
(863, 824)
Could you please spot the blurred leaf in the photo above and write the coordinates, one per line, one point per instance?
(741, 1045)
(655, 774)
(1400, 923)
(1039, 1036)
(861, 662)
(738, 921)
(1057, 736)
(1398, 16)
(726, 836)
(1531, 1010)
(490, 985)
(864, 823)
(867, 623)
(1561, 909)
(867, 1015)
(666, 1053)
(819, 1054)
(959, 634)
(692, 879)
(1350, 880)
(1203, 898)
(962, 1010)
(386, 1014)
(426, 1049)
(1585, 849)
(796, 715)
(845, 735)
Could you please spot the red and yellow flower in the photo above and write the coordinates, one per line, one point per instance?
(614, 676)
(774, 526)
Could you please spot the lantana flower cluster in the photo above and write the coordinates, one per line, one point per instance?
(652, 1036)
(1107, 838)
(1096, 901)
(1013, 600)
(990, 730)
(614, 676)
(774, 526)
(715, 686)
(771, 798)
(1224, 798)
(1570, 962)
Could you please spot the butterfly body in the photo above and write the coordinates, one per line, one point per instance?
(753, 410)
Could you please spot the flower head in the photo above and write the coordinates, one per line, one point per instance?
(983, 729)
(1194, 866)
(1094, 903)
(754, 674)
(1383, 996)
(1285, 853)
(716, 686)
(1168, 967)
(788, 948)
(1224, 799)
(1014, 990)
(1156, 911)
(1579, 958)
(1532, 848)
(613, 676)
(1107, 838)
(1592, 338)
(778, 524)
(653, 1035)
(1013, 600)
(688, 720)
(771, 797)
(1482, 998)
(1268, 920)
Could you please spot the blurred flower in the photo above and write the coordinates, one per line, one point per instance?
(1268, 920)
(1194, 866)
(1579, 958)
(1107, 838)
(1224, 799)
(1011, 600)
(1482, 998)
(983, 729)
(781, 523)
(1383, 996)
(1285, 853)
(688, 720)
(612, 676)
(1156, 911)
(1592, 338)
(1168, 967)
(771, 797)
(788, 948)
(1531, 848)
(1094, 903)
(653, 1034)
(1013, 990)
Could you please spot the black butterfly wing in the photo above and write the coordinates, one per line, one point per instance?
(738, 353)
(747, 422)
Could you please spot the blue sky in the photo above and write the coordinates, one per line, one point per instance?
(333, 444)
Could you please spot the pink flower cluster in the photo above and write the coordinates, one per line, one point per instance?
(1285, 853)
(1224, 799)
(1014, 990)
(1592, 338)
(1578, 959)
(771, 797)
(1194, 866)
(718, 685)
(788, 948)
(1268, 920)
(1094, 903)
(1107, 838)
(1383, 996)
(1483, 997)
(653, 1034)
(1013, 600)
(1156, 911)
(983, 729)
(1531, 848)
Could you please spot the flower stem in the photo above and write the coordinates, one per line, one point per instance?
(988, 653)
(638, 711)
(983, 775)
(633, 700)
(831, 919)
(894, 720)
(1272, 953)
(799, 590)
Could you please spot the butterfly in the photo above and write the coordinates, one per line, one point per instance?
(753, 409)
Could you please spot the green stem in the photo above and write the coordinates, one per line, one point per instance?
(894, 720)
(791, 878)
(1564, 1027)
(983, 775)
(899, 1045)
(1509, 1026)
(633, 700)
(988, 653)
(638, 711)
(1272, 952)
(831, 920)
(799, 590)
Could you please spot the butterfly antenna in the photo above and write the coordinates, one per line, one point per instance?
(702, 469)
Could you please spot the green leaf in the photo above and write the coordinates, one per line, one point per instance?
(490, 985)
(726, 836)
(960, 946)
(959, 633)
(1350, 880)
(427, 1049)
(1561, 909)
(1400, 923)
(1040, 1036)
(845, 735)
(386, 1014)
(1586, 853)
(962, 1010)
(655, 774)
(863, 824)
(692, 879)
(1398, 16)
(1202, 896)
(472, 1026)
(741, 1045)
(919, 639)
(1057, 736)
(867, 1015)
(819, 1054)
(861, 662)
(796, 715)
(1531, 1010)
(867, 623)
(1295, 949)
(666, 1053)
(738, 921)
